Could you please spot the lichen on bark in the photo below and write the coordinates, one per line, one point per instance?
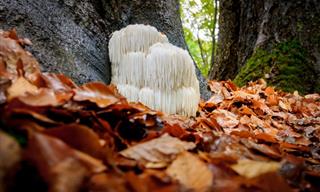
(285, 66)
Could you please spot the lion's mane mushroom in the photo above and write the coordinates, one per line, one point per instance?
(146, 68)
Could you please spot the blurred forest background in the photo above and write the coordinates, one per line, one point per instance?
(247, 40)
(200, 26)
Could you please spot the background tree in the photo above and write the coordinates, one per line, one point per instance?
(199, 18)
(71, 36)
(274, 39)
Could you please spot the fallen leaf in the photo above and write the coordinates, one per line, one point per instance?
(190, 171)
(225, 119)
(21, 87)
(285, 105)
(251, 169)
(270, 151)
(12, 53)
(215, 86)
(4, 84)
(44, 97)
(54, 160)
(58, 82)
(106, 182)
(98, 93)
(76, 132)
(162, 149)
(216, 99)
(10, 155)
(79, 137)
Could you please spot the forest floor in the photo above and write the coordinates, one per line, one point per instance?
(90, 138)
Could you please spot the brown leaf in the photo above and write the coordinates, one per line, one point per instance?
(67, 176)
(4, 85)
(215, 99)
(32, 95)
(56, 162)
(271, 182)
(159, 150)
(34, 114)
(79, 137)
(265, 149)
(107, 182)
(58, 82)
(10, 155)
(44, 97)
(136, 183)
(251, 169)
(21, 87)
(244, 110)
(98, 93)
(11, 53)
(225, 118)
(190, 171)
(215, 86)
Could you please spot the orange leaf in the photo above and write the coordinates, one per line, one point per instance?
(79, 137)
(159, 150)
(98, 93)
(190, 171)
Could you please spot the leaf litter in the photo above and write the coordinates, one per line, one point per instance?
(58, 136)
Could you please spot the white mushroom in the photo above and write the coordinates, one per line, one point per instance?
(146, 68)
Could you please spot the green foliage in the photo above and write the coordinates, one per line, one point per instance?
(199, 26)
(286, 67)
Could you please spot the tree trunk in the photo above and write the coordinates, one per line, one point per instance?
(68, 36)
(226, 58)
(71, 37)
(275, 39)
(213, 36)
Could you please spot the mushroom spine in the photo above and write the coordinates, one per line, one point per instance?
(148, 69)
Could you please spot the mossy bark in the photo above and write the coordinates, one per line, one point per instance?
(285, 66)
(266, 41)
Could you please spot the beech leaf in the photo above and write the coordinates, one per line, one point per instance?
(98, 93)
(159, 150)
(190, 171)
(251, 169)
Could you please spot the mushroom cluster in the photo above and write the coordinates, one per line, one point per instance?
(148, 69)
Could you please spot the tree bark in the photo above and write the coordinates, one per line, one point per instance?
(71, 37)
(247, 26)
(226, 59)
(213, 34)
(68, 36)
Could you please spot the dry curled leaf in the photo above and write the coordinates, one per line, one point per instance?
(190, 171)
(225, 118)
(54, 160)
(14, 59)
(98, 93)
(10, 155)
(21, 87)
(159, 150)
(79, 137)
(44, 97)
(251, 169)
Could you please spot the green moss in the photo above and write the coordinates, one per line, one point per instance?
(286, 66)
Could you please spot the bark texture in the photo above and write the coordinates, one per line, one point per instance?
(71, 37)
(247, 26)
(68, 36)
